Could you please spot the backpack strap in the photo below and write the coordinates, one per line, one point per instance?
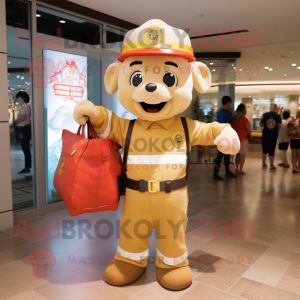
(151, 186)
(127, 143)
(187, 141)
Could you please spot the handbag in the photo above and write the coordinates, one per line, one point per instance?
(87, 172)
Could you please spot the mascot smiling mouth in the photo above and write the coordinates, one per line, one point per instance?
(152, 107)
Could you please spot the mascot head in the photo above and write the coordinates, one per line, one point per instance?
(157, 72)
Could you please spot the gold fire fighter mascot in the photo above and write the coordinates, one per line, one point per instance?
(154, 79)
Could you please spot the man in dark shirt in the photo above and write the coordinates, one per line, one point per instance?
(271, 123)
(223, 117)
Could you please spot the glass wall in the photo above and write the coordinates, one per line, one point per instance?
(114, 38)
(72, 38)
(19, 79)
(63, 72)
(206, 106)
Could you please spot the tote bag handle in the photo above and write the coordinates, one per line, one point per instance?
(91, 131)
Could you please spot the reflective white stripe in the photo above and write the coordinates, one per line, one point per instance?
(133, 256)
(171, 261)
(156, 159)
(106, 133)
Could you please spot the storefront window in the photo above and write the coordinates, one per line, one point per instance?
(73, 31)
(260, 102)
(19, 80)
(114, 39)
(114, 35)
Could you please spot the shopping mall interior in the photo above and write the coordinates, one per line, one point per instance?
(242, 235)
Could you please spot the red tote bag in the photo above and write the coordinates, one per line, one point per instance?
(86, 175)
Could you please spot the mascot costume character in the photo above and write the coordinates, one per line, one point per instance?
(154, 79)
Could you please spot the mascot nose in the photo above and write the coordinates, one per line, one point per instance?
(151, 87)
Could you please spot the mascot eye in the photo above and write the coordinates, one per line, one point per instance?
(136, 78)
(170, 79)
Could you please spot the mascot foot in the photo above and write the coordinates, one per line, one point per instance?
(122, 273)
(175, 278)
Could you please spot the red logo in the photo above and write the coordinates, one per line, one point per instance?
(39, 258)
(271, 123)
(70, 81)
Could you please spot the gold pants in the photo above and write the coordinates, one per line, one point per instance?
(167, 213)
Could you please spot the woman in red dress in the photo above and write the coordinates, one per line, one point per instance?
(242, 126)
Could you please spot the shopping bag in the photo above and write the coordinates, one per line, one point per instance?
(87, 172)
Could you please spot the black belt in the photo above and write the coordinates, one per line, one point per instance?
(153, 186)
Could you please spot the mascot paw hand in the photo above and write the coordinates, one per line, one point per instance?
(85, 110)
(228, 141)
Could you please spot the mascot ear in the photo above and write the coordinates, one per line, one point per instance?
(111, 77)
(201, 77)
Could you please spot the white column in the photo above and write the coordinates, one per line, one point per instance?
(6, 213)
(293, 104)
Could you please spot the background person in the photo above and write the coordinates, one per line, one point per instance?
(242, 126)
(295, 143)
(271, 123)
(24, 129)
(284, 139)
(223, 117)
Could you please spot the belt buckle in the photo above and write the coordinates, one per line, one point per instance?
(155, 185)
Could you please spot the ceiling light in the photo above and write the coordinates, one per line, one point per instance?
(19, 85)
(266, 68)
(294, 65)
(211, 63)
(284, 74)
(214, 70)
(241, 70)
(270, 69)
(8, 62)
(38, 15)
(249, 96)
(18, 76)
(22, 77)
(62, 21)
(298, 67)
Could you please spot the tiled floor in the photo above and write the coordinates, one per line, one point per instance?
(226, 262)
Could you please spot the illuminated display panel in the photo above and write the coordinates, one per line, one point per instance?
(65, 84)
